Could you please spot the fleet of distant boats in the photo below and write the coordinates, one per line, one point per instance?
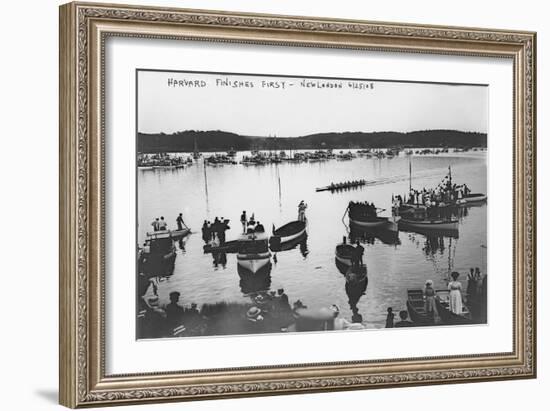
(152, 161)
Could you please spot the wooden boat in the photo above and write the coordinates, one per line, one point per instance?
(428, 224)
(172, 234)
(253, 251)
(344, 253)
(364, 216)
(371, 222)
(227, 247)
(287, 232)
(417, 308)
(415, 217)
(444, 312)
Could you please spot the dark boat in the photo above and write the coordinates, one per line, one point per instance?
(446, 315)
(417, 308)
(364, 215)
(288, 232)
(227, 247)
(344, 253)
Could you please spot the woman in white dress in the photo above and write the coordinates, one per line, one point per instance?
(455, 297)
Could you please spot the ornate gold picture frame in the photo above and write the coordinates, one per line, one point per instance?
(84, 30)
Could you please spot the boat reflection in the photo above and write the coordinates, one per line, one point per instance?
(356, 287)
(254, 282)
(369, 236)
(356, 277)
(300, 241)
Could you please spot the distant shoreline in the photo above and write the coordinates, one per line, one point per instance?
(216, 141)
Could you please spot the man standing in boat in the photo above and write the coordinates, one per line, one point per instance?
(302, 211)
(180, 222)
(155, 224)
(243, 221)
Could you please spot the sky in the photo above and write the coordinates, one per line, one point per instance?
(293, 106)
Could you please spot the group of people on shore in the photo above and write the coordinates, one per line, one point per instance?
(170, 319)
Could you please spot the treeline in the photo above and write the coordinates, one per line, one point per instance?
(222, 141)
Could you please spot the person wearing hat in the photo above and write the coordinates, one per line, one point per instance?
(405, 322)
(389, 318)
(254, 314)
(429, 302)
(243, 221)
(455, 296)
(283, 298)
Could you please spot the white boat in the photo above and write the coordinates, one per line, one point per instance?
(253, 251)
(473, 198)
(392, 224)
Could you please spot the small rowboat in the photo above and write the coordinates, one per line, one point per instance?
(253, 252)
(444, 312)
(344, 253)
(417, 308)
(287, 233)
(473, 198)
(428, 225)
(173, 234)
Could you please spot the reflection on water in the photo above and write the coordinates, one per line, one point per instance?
(306, 268)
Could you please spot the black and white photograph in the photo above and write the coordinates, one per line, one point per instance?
(284, 204)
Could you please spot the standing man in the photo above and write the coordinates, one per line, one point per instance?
(162, 224)
(180, 222)
(243, 221)
(155, 224)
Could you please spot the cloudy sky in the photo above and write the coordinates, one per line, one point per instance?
(264, 106)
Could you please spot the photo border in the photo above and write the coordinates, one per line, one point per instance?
(84, 28)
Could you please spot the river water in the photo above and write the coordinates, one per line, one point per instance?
(308, 272)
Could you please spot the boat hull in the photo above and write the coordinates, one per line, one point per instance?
(253, 262)
(378, 223)
(428, 225)
(474, 198)
(278, 239)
